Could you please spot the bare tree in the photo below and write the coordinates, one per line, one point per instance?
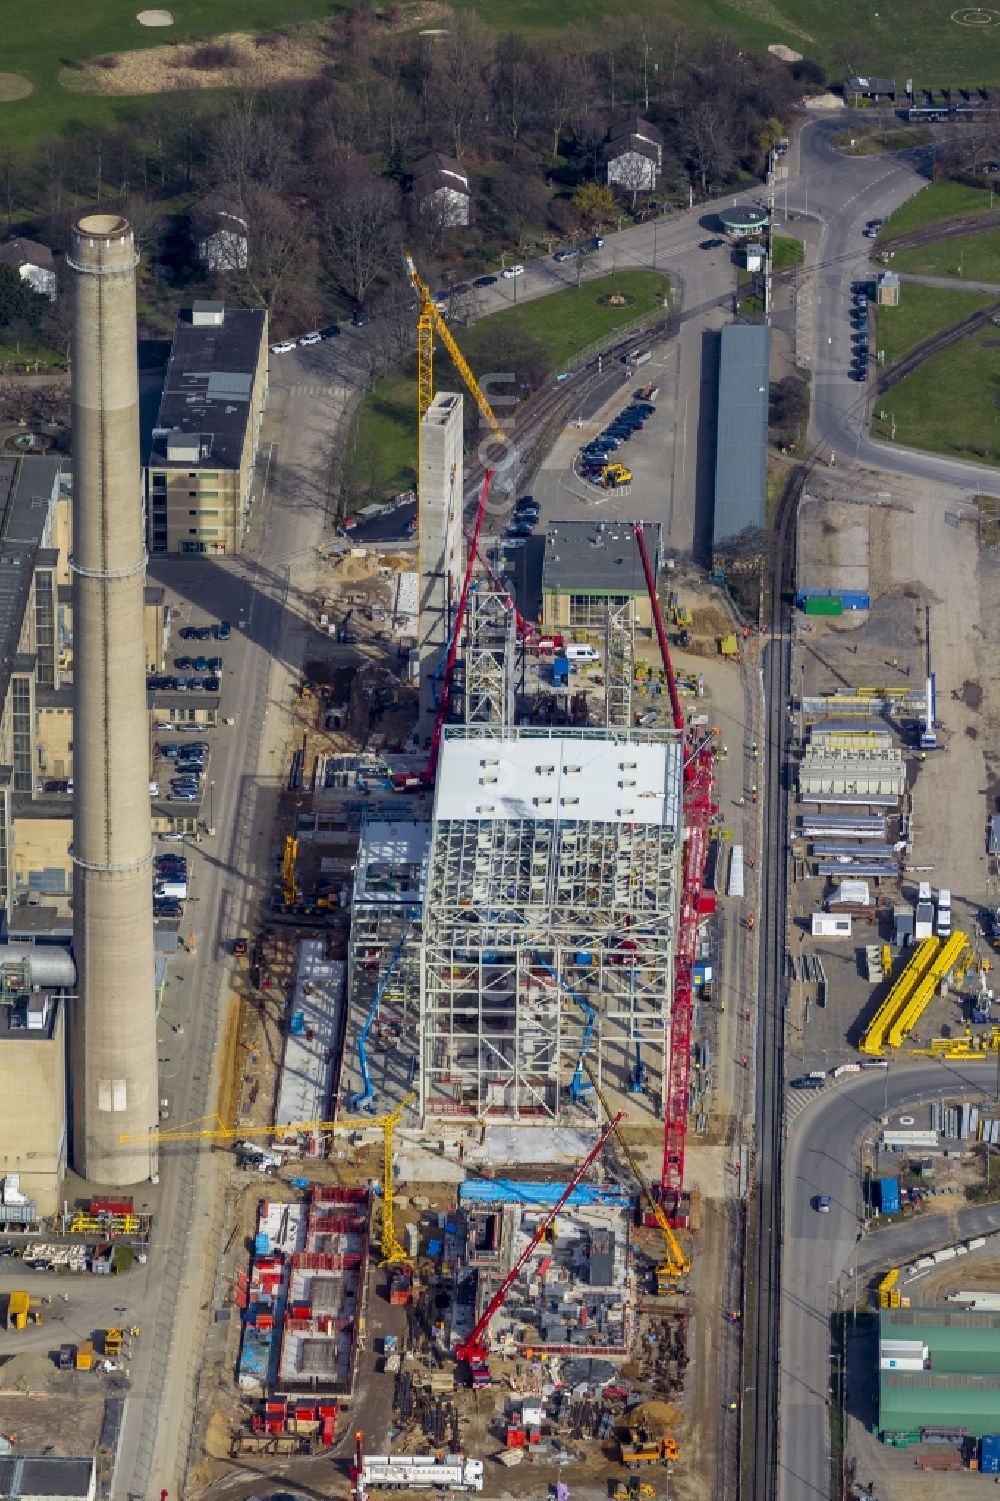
(278, 247)
(514, 84)
(360, 229)
(707, 143)
(565, 77)
(635, 174)
(460, 67)
(249, 148)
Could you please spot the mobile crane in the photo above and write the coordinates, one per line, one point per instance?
(392, 1251)
(698, 774)
(474, 1351)
(676, 1264)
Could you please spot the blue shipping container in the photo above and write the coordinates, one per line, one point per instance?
(560, 670)
(261, 1243)
(989, 1454)
(888, 1189)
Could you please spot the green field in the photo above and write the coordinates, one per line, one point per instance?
(969, 258)
(876, 141)
(382, 448)
(921, 313)
(949, 405)
(786, 252)
(39, 44)
(933, 204)
(920, 41)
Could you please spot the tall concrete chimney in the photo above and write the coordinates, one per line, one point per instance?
(114, 1017)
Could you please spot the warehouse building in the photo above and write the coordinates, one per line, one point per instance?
(204, 445)
(593, 566)
(939, 1369)
(741, 433)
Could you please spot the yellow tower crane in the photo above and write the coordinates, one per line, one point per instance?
(429, 323)
(676, 1264)
(392, 1251)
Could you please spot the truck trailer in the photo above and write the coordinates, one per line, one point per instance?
(421, 1472)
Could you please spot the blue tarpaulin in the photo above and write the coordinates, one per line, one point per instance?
(511, 1191)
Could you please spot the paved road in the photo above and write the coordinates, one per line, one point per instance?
(822, 1155)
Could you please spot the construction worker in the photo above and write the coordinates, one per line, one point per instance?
(750, 923)
(753, 750)
(743, 801)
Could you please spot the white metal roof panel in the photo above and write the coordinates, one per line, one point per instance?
(570, 780)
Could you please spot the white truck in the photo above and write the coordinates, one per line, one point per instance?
(421, 1472)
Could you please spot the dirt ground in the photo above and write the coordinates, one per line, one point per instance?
(297, 54)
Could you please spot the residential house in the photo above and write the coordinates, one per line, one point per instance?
(870, 88)
(220, 231)
(34, 263)
(441, 186)
(634, 154)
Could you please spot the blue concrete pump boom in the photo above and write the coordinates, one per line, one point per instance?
(363, 1101)
(578, 1084)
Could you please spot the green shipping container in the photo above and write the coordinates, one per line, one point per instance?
(824, 604)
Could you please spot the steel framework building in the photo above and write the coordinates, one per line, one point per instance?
(619, 656)
(490, 654)
(549, 920)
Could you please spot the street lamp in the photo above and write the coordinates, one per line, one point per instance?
(211, 807)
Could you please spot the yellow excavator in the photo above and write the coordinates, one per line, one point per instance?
(675, 1264)
(613, 476)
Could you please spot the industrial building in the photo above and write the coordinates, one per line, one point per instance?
(939, 1369)
(47, 1477)
(202, 452)
(741, 433)
(590, 567)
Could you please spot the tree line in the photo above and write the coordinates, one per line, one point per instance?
(320, 170)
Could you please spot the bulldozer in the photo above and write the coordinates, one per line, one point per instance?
(631, 1489)
(613, 476)
(643, 1449)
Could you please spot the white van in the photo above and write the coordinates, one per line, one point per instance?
(944, 913)
(577, 651)
(154, 789)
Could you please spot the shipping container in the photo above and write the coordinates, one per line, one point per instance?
(823, 604)
(888, 1189)
(989, 1454)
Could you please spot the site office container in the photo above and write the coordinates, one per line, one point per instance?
(823, 604)
(989, 1454)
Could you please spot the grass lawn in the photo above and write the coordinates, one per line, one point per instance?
(950, 404)
(786, 252)
(383, 443)
(37, 46)
(922, 311)
(939, 200)
(969, 258)
(17, 357)
(864, 140)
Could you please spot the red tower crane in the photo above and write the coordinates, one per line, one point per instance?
(475, 1350)
(698, 809)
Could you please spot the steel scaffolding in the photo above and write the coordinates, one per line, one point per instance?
(490, 653)
(619, 656)
(543, 939)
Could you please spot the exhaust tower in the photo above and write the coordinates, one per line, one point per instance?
(114, 1066)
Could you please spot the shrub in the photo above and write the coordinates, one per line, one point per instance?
(212, 55)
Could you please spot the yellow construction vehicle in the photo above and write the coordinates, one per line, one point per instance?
(630, 1489)
(676, 1264)
(679, 614)
(643, 1448)
(392, 1251)
(613, 476)
(290, 892)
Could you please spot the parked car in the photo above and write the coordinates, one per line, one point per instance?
(183, 664)
(307, 340)
(510, 272)
(179, 795)
(180, 685)
(188, 633)
(360, 318)
(211, 685)
(712, 244)
(331, 331)
(171, 838)
(823, 1203)
(203, 633)
(164, 906)
(223, 630)
(485, 281)
(569, 254)
(285, 347)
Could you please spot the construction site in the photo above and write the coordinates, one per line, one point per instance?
(469, 1047)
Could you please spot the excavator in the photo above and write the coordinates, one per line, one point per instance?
(614, 476)
(675, 1265)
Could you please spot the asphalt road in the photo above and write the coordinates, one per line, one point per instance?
(821, 1253)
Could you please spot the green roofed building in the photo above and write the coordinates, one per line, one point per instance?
(938, 1368)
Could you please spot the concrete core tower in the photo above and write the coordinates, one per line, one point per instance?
(114, 1017)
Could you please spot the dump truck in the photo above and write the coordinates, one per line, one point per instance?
(643, 1448)
(85, 1355)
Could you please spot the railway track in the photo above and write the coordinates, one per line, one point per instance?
(934, 345)
(759, 1404)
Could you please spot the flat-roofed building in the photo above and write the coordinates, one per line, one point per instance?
(203, 447)
(590, 567)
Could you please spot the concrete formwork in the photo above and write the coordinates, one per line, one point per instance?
(114, 1021)
(440, 513)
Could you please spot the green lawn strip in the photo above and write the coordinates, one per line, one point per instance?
(786, 252)
(920, 313)
(937, 202)
(967, 258)
(949, 404)
(26, 355)
(569, 321)
(860, 142)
